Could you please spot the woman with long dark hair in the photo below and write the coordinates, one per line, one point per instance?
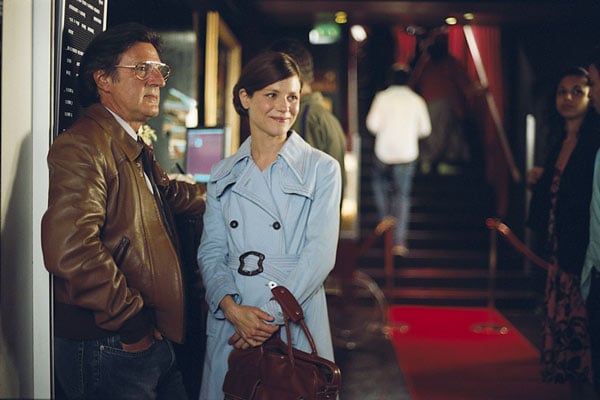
(561, 206)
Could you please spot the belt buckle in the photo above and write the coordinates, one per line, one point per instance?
(256, 271)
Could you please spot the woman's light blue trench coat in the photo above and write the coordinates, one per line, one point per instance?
(290, 213)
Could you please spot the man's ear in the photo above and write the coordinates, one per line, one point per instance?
(102, 79)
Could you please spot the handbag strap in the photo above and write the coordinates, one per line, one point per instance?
(292, 311)
(289, 305)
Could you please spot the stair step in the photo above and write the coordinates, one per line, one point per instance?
(443, 278)
(439, 238)
(443, 273)
(456, 220)
(466, 294)
(449, 258)
(375, 255)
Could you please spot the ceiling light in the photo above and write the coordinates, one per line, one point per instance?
(451, 21)
(358, 33)
(341, 17)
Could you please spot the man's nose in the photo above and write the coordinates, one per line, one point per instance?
(156, 78)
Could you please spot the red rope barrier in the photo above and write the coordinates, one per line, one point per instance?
(493, 223)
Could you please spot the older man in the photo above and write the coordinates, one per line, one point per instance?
(108, 235)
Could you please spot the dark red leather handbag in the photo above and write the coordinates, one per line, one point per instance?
(277, 371)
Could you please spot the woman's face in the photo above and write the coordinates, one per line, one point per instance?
(572, 99)
(273, 109)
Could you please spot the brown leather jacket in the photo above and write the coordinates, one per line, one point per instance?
(115, 268)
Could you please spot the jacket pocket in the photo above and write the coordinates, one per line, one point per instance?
(121, 251)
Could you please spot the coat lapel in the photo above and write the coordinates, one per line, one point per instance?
(246, 180)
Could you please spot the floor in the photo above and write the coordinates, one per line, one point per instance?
(371, 372)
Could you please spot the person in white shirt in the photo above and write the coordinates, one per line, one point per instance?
(398, 117)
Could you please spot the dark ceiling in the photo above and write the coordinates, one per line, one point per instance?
(301, 14)
(429, 13)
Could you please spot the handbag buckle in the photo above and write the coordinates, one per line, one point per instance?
(259, 263)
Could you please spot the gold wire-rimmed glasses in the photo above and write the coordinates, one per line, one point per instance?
(143, 70)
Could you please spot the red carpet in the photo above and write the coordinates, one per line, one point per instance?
(443, 357)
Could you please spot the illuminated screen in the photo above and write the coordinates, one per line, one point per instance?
(205, 147)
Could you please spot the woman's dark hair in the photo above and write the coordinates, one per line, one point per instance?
(105, 51)
(574, 71)
(264, 69)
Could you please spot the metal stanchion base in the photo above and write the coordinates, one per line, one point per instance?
(490, 329)
(401, 327)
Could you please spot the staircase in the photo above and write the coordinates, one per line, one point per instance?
(449, 259)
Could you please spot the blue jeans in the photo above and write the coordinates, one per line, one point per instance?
(100, 369)
(392, 184)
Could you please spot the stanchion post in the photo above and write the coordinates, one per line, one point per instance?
(492, 266)
(388, 260)
(490, 327)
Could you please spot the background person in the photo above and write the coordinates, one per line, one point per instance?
(118, 286)
(276, 198)
(590, 276)
(315, 123)
(446, 87)
(398, 118)
(559, 211)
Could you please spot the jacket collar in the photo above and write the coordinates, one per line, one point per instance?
(294, 154)
(111, 126)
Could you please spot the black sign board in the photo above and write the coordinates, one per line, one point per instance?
(78, 21)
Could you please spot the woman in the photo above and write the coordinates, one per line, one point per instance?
(272, 218)
(561, 202)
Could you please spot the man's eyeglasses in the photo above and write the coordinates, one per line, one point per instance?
(143, 70)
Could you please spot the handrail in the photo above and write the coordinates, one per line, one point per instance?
(472, 44)
(496, 224)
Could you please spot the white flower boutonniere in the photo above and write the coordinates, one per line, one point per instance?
(148, 135)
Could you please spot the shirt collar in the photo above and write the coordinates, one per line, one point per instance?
(124, 125)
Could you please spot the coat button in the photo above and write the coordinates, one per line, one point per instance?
(276, 225)
(234, 224)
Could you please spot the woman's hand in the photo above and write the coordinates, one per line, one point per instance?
(534, 175)
(249, 322)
